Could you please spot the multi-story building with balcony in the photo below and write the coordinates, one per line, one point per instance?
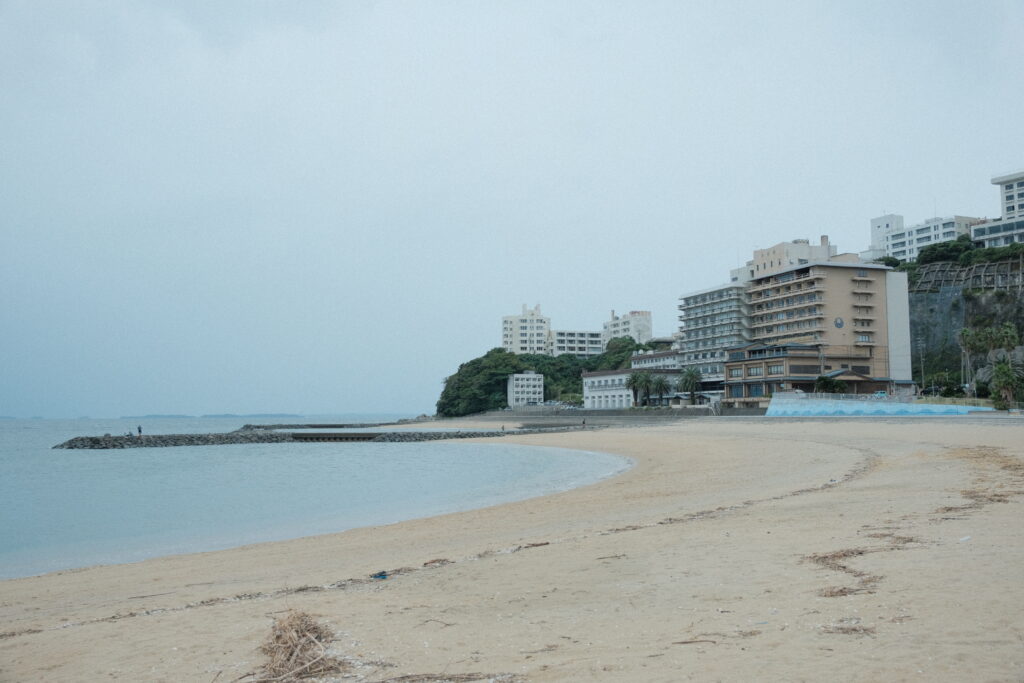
(710, 322)
(635, 324)
(527, 332)
(656, 360)
(716, 319)
(1010, 228)
(578, 343)
(525, 389)
(530, 332)
(841, 318)
(890, 238)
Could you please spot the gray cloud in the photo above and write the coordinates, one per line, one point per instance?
(326, 207)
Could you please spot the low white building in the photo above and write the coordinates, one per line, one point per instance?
(606, 389)
(635, 324)
(525, 388)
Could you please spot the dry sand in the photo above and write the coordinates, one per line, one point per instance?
(735, 549)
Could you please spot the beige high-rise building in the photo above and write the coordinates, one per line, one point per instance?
(841, 318)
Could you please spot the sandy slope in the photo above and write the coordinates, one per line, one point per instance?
(734, 550)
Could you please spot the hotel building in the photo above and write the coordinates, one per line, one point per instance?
(578, 343)
(1010, 228)
(527, 332)
(635, 324)
(711, 321)
(840, 318)
(890, 238)
(530, 332)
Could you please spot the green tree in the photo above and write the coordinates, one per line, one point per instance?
(890, 261)
(689, 381)
(1004, 375)
(829, 385)
(945, 251)
(660, 386)
(479, 385)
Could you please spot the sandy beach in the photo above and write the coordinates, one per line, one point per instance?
(735, 549)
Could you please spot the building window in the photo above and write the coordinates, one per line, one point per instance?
(776, 369)
(756, 390)
(735, 372)
(755, 371)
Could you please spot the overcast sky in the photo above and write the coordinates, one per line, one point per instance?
(327, 207)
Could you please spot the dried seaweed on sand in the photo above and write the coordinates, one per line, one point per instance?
(297, 648)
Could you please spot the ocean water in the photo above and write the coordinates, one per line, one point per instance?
(61, 509)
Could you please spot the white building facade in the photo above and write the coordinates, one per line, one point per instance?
(889, 237)
(580, 343)
(525, 389)
(530, 332)
(527, 332)
(1010, 228)
(635, 324)
(606, 389)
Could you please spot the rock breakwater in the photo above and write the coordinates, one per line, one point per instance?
(259, 434)
(165, 440)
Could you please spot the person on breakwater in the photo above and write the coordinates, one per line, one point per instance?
(140, 430)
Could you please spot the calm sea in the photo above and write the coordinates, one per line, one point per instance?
(61, 509)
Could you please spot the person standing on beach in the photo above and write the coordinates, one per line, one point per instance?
(140, 430)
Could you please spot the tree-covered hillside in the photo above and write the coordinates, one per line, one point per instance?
(480, 384)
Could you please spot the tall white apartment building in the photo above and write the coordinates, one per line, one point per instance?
(635, 324)
(1009, 228)
(525, 388)
(527, 332)
(889, 237)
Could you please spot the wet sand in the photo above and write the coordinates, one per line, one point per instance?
(735, 549)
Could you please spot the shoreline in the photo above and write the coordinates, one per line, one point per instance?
(731, 549)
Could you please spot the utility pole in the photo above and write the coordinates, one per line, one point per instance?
(920, 357)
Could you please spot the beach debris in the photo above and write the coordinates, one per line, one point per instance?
(965, 538)
(379, 575)
(692, 642)
(297, 648)
(439, 562)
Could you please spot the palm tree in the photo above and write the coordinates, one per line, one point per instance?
(639, 383)
(690, 381)
(660, 386)
(1003, 374)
